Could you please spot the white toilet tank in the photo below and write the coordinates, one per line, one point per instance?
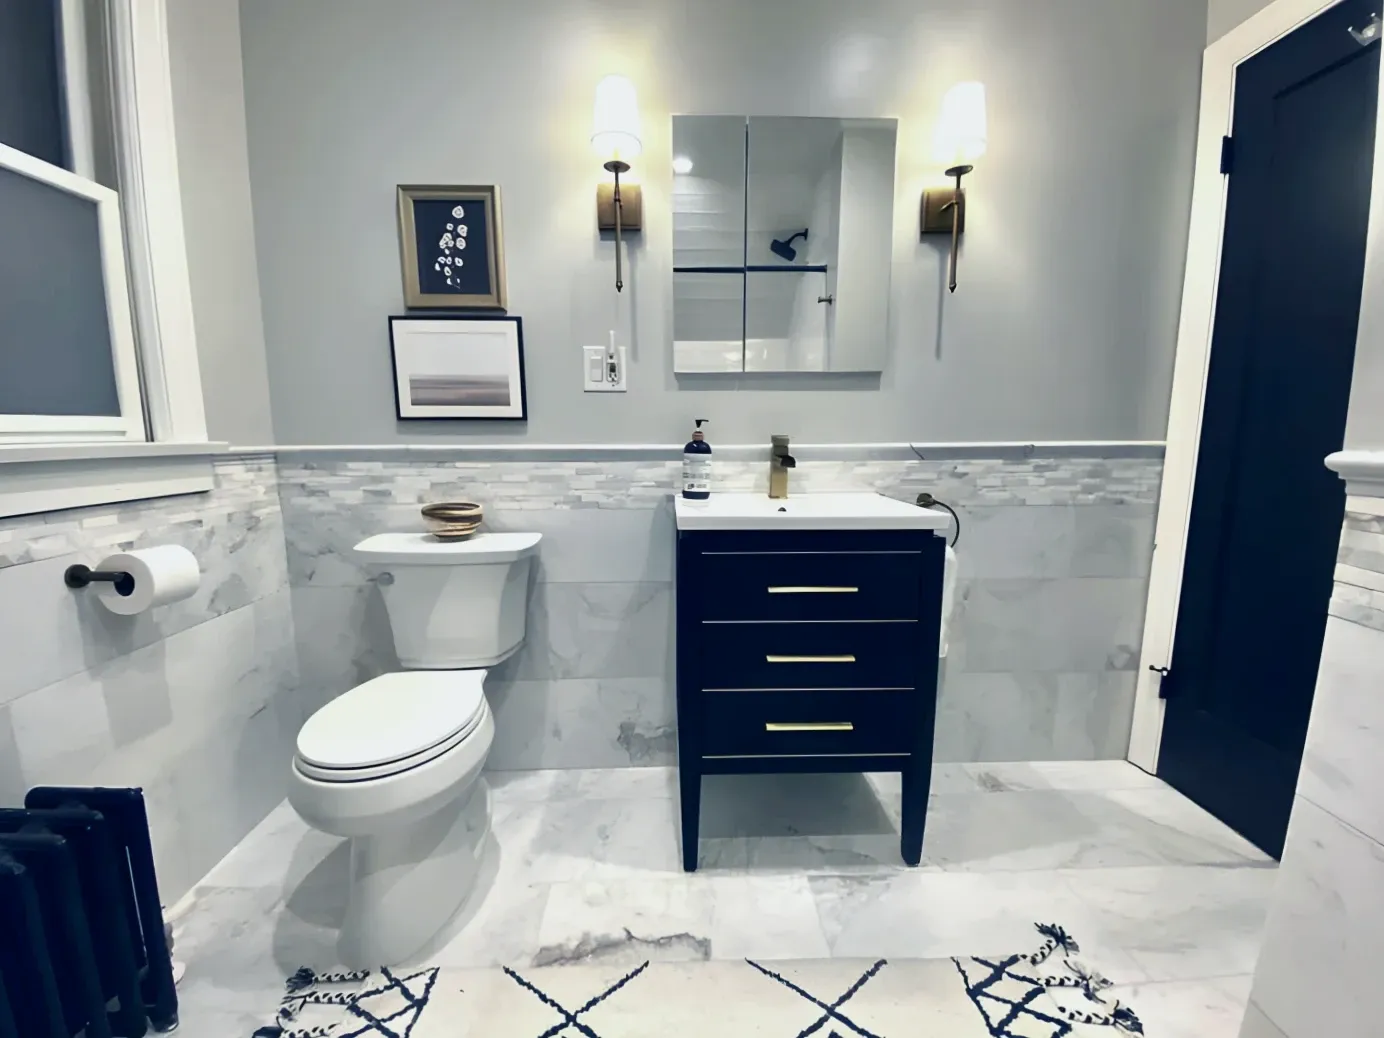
(453, 605)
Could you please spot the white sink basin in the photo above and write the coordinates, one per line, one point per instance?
(823, 511)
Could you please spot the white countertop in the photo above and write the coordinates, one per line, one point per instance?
(819, 511)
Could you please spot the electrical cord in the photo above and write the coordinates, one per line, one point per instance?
(926, 500)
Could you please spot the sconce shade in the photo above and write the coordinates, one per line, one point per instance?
(961, 130)
(615, 123)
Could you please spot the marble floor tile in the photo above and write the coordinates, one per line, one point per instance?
(1091, 776)
(804, 854)
(626, 922)
(279, 852)
(586, 865)
(688, 917)
(1180, 923)
(1052, 829)
(1189, 1008)
(656, 783)
(499, 924)
(929, 914)
(569, 840)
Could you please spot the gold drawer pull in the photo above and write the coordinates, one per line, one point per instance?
(806, 590)
(809, 659)
(811, 726)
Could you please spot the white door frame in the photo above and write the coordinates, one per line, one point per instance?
(1209, 191)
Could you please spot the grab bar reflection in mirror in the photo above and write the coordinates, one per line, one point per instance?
(809, 659)
(811, 726)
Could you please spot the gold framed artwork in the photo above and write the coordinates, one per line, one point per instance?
(451, 247)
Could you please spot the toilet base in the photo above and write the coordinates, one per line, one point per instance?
(408, 882)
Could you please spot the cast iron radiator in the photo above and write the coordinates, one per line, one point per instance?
(84, 950)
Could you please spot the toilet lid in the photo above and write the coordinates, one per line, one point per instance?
(392, 717)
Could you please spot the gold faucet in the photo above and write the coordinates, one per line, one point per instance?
(780, 461)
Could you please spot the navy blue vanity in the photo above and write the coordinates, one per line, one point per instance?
(806, 643)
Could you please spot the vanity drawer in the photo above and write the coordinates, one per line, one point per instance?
(809, 655)
(810, 585)
(807, 723)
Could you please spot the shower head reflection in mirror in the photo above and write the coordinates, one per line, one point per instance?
(782, 243)
(784, 249)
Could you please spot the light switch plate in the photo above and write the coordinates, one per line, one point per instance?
(595, 377)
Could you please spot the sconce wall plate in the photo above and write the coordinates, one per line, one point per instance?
(631, 205)
(936, 215)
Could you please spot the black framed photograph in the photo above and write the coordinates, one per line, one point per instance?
(451, 247)
(458, 366)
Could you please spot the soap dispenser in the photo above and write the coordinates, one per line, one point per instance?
(696, 465)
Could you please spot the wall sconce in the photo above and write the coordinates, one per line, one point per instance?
(960, 139)
(615, 139)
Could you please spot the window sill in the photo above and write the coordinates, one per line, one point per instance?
(40, 477)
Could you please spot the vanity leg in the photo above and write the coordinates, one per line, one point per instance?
(916, 781)
(690, 791)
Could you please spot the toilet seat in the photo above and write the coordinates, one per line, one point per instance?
(391, 724)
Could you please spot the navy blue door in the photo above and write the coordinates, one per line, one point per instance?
(1266, 513)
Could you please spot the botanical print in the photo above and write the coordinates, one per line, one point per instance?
(453, 240)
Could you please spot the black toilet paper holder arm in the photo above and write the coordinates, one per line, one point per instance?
(79, 576)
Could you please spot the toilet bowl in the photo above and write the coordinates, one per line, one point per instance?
(395, 763)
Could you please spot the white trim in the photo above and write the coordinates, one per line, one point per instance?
(124, 356)
(38, 478)
(1193, 353)
(65, 427)
(148, 163)
(51, 453)
(930, 452)
(81, 145)
(41, 486)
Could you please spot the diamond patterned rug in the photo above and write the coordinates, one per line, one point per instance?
(1045, 993)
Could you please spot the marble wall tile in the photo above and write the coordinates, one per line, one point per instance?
(1113, 540)
(343, 639)
(1054, 561)
(1257, 1025)
(1016, 540)
(195, 702)
(12, 786)
(1342, 765)
(1050, 625)
(595, 631)
(624, 545)
(1020, 716)
(1318, 970)
(1094, 714)
(236, 532)
(581, 723)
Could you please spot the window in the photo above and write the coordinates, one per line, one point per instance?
(100, 396)
(85, 125)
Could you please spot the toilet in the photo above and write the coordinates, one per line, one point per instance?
(395, 763)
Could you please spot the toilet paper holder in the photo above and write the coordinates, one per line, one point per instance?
(79, 576)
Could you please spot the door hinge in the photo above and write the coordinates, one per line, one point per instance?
(1227, 154)
(1163, 683)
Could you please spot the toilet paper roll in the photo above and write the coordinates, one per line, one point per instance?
(168, 573)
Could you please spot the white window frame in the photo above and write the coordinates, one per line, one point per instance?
(1209, 193)
(90, 461)
(128, 425)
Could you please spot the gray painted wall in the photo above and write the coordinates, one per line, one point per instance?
(209, 120)
(1065, 322)
(1224, 15)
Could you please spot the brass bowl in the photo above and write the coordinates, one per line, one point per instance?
(452, 520)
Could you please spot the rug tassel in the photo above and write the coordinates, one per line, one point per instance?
(299, 991)
(1056, 937)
